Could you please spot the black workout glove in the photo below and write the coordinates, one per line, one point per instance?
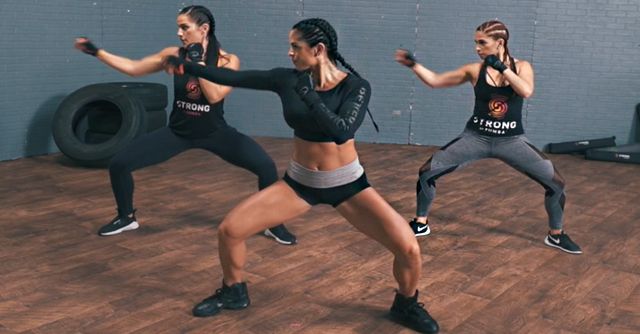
(174, 63)
(410, 59)
(195, 51)
(304, 88)
(493, 61)
(88, 47)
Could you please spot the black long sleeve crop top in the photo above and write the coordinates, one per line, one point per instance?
(334, 116)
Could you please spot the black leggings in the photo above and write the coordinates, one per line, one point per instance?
(162, 144)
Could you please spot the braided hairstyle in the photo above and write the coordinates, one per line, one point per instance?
(497, 30)
(317, 30)
(201, 15)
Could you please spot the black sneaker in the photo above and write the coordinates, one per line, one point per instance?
(233, 297)
(408, 312)
(419, 229)
(281, 234)
(562, 242)
(119, 225)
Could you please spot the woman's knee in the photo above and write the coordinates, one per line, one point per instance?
(409, 250)
(229, 230)
(119, 165)
(267, 168)
(426, 167)
(558, 180)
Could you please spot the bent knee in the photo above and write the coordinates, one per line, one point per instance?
(410, 250)
(268, 167)
(229, 230)
(425, 167)
(119, 165)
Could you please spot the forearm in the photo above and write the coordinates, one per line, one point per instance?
(336, 127)
(128, 66)
(260, 80)
(212, 91)
(340, 125)
(519, 85)
(425, 75)
(441, 80)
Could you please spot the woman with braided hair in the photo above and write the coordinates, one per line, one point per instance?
(325, 106)
(500, 83)
(196, 120)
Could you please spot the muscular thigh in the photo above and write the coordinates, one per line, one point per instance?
(372, 215)
(151, 148)
(235, 148)
(461, 151)
(518, 153)
(269, 207)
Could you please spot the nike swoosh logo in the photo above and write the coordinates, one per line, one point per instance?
(554, 239)
(420, 229)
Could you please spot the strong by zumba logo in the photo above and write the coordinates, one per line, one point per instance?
(498, 106)
(193, 89)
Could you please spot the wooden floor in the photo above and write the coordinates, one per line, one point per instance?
(485, 267)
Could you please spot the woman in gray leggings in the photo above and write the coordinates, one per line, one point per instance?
(494, 130)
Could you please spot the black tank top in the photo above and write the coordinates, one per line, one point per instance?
(498, 110)
(192, 115)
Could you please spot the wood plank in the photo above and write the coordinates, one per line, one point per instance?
(485, 267)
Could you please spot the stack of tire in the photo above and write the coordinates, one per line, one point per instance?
(95, 122)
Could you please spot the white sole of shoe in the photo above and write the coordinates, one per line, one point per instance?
(548, 243)
(423, 233)
(271, 235)
(129, 227)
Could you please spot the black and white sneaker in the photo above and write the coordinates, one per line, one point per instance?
(408, 312)
(562, 242)
(234, 297)
(419, 229)
(119, 225)
(281, 234)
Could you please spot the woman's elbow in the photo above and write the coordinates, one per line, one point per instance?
(527, 93)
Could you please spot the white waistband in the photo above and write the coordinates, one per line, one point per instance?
(325, 179)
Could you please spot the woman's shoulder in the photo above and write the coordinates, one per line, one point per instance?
(226, 54)
(521, 62)
(228, 59)
(354, 80)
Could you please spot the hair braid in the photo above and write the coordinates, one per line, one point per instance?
(498, 30)
(317, 30)
(201, 15)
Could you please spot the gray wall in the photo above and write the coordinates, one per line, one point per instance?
(585, 54)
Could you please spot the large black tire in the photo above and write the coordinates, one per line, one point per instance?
(152, 95)
(70, 123)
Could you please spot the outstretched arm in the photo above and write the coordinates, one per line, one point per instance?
(261, 80)
(131, 67)
(431, 78)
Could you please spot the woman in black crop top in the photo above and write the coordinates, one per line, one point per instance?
(324, 106)
(196, 120)
(494, 130)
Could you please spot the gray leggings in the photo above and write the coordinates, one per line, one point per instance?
(515, 151)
